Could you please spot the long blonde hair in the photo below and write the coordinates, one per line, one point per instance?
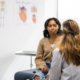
(70, 46)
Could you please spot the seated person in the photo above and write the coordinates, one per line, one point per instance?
(52, 37)
(65, 63)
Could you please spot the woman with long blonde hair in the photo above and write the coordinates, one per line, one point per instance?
(65, 63)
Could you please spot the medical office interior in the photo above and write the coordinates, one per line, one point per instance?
(21, 27)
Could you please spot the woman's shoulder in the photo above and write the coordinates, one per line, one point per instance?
(43, 39)
(56, 52)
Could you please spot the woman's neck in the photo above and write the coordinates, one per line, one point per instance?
(53, 36)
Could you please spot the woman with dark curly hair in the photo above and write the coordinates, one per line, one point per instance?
(52, 38)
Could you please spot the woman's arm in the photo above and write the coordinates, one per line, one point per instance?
(40, 64)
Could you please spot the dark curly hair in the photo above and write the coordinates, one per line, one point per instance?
(45, 32)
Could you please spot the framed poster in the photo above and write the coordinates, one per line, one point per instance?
(29, 12)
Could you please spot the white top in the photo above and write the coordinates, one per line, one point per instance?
(60, 70)
(52, 46)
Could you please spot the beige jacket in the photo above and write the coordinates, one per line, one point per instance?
(44, 53)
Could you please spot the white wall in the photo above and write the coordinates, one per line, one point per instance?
(14, 37)
(69, 9)
(51, 8)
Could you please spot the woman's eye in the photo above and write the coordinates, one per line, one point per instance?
(52, 25)
(49, 25)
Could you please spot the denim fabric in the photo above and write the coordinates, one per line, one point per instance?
(25, 74)
(29, 74)
(41, 74)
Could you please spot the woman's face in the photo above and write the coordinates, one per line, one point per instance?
(52, 27)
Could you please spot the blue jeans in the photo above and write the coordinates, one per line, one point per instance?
(29, 74)
(25, 74)
(41, 74)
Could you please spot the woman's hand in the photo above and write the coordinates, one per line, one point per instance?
(45, 69)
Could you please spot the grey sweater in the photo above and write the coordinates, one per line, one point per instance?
(60, 70)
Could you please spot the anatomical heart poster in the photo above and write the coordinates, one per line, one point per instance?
(29, 12)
